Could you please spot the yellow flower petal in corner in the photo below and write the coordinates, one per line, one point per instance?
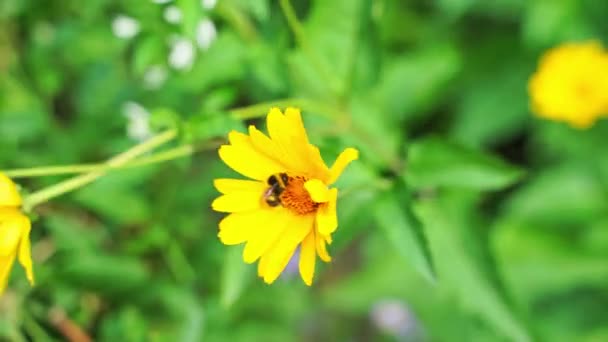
(317, 190)
(14, 241)
(345, 158)
(327, 220)
(322, 248)
(9, 196)
(11, 230)
(25, 251)
(262, 266)
(6, 264)
(308, 258)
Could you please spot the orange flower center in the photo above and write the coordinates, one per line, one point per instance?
(289, 192)
(296, 198)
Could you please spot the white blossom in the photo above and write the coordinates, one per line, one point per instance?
(182, 54)
(125, 27)
(205, 34)
(208, 4)
(154, 77)
(138, 125)
(173, 14)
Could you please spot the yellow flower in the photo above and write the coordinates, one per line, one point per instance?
(571, 84)
(14, 233)
(287, 203)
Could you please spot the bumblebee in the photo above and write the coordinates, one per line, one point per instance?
(278, 183)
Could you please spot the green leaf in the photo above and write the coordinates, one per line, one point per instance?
(210, 125)
(567, 194)
(532, 255)
(549, 22)
(413, 83)
(125, 206)
(149, 51)
(22, 114)
(224, 61)
(258, 9)
(106, 273)
(446, 222)
(479, 121)
(434, 162)
(404, 232)
(378, 140)
(235, 276)
(64, 228)
(128, 325)
(192, 13)
(382, 276)
(334, 50)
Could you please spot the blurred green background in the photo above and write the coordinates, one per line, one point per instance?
(466, 218)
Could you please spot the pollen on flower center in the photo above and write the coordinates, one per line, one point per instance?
(296, 198)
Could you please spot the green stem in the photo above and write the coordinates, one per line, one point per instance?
(238, 20)
(261, 109)
(73, 183)
(173, 153)
(298, 31)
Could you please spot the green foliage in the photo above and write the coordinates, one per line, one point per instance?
(484, 222)
(435, 163)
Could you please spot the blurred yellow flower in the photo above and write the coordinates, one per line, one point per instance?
(14, 233)
(287, 203)
(571, 84)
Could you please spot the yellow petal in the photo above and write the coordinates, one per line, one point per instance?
(268, 147)
(308, 258)
(322, 248)
(268, 228)
(347, 156)
(280, 253)
(9, 196)
(262, 266)
(317, 164)
(286, 138)
(11, 231)
(237, 202)
(317, 190)
(6, 264)
(313, 158)
(25, 251)
(226, 185)
(288, 133)
(242, 157)
(327, 221)
(236, 228)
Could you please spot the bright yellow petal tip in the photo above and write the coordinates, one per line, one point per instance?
(346, 157)
(14, 244)
(317, 190)
(287, 204)
(9, 196)
(308, 258)
(327, 220)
